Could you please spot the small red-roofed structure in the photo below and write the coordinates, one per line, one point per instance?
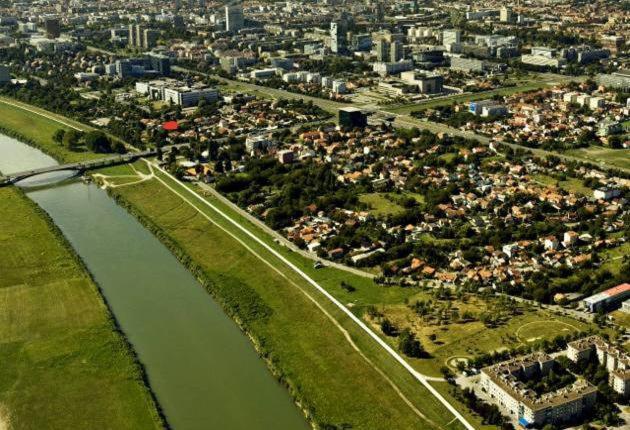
(170, 126)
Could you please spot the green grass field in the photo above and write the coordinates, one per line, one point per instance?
(310, 348)
(608, 156)
(461, 340)
(40, 130)
(63, 363)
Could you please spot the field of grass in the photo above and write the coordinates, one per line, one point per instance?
(607, 156)
(40, 130)
(311, 349)
(380, 205)
(447, 342)
(384, 204)
(64, 365)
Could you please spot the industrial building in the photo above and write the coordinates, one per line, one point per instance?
(608, 299)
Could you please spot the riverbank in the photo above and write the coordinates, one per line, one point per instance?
(36, 130)
(338, 374)
(306, 346)
(65, 363)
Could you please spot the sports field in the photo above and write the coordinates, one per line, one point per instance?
(63, 363)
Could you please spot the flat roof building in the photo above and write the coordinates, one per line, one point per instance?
(607, 299)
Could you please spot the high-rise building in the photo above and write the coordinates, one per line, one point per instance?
(149, 38)
(5, 76)
(396, 51)
(131, 37)
(506, 14)
(382, 50)
(338, 36)
(52, 27)
(451, 37)
(234, 19)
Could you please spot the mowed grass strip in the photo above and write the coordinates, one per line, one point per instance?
(327, 375)
(40, 130)
(63, 363)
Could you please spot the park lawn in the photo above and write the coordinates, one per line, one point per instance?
(40, 130)
(312, 353)
(380, 205)
(599, 154)
(613, 258)
(575, 185)
(462, 340)
(64, 364)
(621, 318)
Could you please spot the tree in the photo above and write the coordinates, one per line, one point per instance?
(58, 136)
(388, 328)
(409, 345)
(97, 141)
(71, 139)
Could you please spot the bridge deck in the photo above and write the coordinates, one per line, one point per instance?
(12, 178)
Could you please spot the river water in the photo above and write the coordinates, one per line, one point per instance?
(203, 370)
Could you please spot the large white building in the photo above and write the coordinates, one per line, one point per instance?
(172, 91)
(616, 361)
(504, 383)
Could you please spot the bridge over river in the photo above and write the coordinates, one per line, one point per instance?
(82, 166)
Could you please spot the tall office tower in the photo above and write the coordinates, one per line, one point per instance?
(396, 51)
(202, 4)
(5, 75)
(506, 14)
(52, 27)
(380, 12)
(338, 36)
(450, 37)
(131, 37)
(177, 5)
(139, 36)
(234, 19)
(150, 37)
(382, 50)
(415, 7)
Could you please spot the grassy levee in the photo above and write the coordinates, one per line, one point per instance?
(304, 342)
(36, 127)
(64, 362)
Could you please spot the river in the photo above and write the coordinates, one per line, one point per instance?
(203, 370)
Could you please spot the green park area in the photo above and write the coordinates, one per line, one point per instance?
(384, 204)
(64, 364)
(458, 327)
(606, 156)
